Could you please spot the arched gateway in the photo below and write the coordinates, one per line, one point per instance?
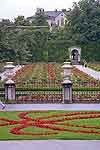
(75, 54)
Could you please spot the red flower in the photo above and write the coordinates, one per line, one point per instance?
(54, 124)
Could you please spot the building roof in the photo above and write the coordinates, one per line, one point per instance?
(50, 14)
(53, 14)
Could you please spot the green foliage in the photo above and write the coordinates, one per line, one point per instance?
(38, 89)
(57, 46)
(83, 28)
(40, 44)
(86, 89)
(40, 19)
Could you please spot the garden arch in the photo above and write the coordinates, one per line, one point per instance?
(75, 55)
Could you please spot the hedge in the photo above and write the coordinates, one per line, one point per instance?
(56, 89)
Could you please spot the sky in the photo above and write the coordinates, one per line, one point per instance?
(9, 9)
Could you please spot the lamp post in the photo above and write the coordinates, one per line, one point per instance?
(9, 84)
(67, 84)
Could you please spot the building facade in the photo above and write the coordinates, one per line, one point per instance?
(55, 18)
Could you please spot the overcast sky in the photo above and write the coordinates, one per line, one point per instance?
(12, 8)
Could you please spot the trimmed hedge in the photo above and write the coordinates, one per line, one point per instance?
(38, 89)
(86, 89)
(56, 89)
(59, 89)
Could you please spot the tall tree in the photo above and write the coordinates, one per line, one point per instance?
(83, 26)
(20, 20)
(40, 18)
(40, 36)
(6, 53)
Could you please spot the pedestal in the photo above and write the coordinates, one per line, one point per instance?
(10, 92)
(67, 91)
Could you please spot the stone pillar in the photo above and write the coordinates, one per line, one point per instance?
(10, 93)
(67, 91)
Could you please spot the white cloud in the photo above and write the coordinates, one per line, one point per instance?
(12, 8)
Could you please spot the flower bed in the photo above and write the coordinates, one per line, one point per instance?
(44, 71)
(56, 124)
(24, 73)
(95, 66)
(80, 75)
(51, 74)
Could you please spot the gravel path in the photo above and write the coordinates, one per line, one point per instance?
(50, 145)
(89, 71)
(11, 107)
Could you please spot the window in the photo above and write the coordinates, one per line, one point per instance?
(62, 21)
(58, 22)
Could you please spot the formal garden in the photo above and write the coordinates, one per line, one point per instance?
(42, 83)
(50, 125)
(59, 66)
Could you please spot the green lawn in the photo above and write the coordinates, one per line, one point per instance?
(50, 125)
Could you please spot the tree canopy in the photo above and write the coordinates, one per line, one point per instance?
(27, 45)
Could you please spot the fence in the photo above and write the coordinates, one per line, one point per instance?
(2, 91)
(39, 92)
(51, 92)
(39, 84)
(39, 97)
(86, 92)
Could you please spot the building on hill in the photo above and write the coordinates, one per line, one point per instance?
(54, 18)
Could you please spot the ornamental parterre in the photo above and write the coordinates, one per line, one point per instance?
(55, 123)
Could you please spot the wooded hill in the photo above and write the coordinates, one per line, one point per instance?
(24, 45)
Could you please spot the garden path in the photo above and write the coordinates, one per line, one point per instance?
(50, 145)
(89, 71)
(12, 107)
